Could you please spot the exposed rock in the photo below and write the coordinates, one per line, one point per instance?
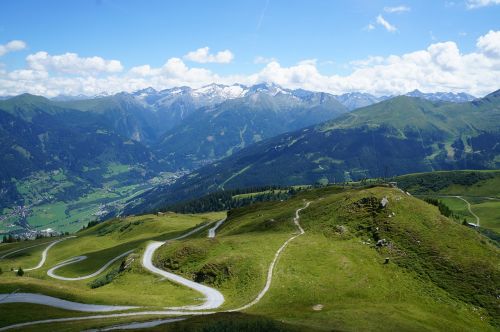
(384, 202)
(317, 307)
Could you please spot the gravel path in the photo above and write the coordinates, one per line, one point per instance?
(273, 263)
(469, 208)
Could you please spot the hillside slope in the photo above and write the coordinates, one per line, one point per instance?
(473, 196)
(334, 275)
(358, 265)
(398, 136)
(218, 131)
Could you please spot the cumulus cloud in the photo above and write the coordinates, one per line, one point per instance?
(472, 4)
(439, 67)
(490, 44)
(383, 22)
(397, 9)
(202, 55)
(71, 63)
(12, 46)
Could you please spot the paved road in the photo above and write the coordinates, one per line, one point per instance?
(44, 253)
(213, 298)
(138, 325)
(51, 273)
(211, 231)
(126, 314)
(468, 205)
(59, 303)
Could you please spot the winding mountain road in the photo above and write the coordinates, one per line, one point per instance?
(213, 298)
(59, 303)
(22, 249)
(44, 253)
(211, 231)
(469, 208)
(72, 260)
(273, 263)
(138, 325)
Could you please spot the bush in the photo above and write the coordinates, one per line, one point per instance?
(20, 272)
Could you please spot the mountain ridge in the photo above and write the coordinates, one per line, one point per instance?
(400, 135)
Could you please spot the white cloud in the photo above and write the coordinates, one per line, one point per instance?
(388, 26)
(71, 63)
(263, 60)
(397, 9)
(12, 46)
(369, 27)
(490, 44)
(439, 67)
(472, 4)
(202, 55)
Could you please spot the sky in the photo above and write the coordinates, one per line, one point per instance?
(381, 47)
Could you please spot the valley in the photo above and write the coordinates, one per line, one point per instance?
(250, 166)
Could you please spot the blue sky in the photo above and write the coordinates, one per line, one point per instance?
(335, 35)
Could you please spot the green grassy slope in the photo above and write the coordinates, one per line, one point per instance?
(480, 188)
(440, 275)
(431, 282)
(101, 243)
(398, 136)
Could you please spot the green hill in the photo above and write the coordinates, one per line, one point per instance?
(100, 244)
(338, 264)
(358, 266)
(479, 189)
(397, 136)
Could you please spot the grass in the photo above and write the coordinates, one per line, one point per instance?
(260, 193)
(479, 188)
(357, 292)
(8, 247)
(489, 213)
(135, 286)
(459, 208)
(331, 265)
(217, 322)
(236, 261)
(441, 275)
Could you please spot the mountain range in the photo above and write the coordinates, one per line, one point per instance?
(149, 132)
(397, 136)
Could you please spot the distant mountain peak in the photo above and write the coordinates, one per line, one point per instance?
(460, 97)
(494, 94)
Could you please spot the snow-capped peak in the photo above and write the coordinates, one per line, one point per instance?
(269, 88)
(460, 97)
(219, 91)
